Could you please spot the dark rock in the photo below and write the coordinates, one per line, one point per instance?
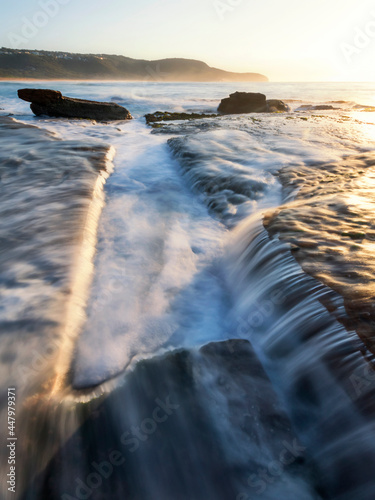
(276, 106)
(243, 102)
(319, 107)
(224, 424)
(160, 116)
(249, 102)
(39, 96)
(53, 103)
(363, 107)
(322, 107)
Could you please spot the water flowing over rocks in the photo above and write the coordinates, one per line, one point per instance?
(230, 189)
(317, 107)
(213, 409)
(177, 349)
(276, 106)
(330, 226)
(53, 103)
(51, 199)
(166, 116)
(316, 364)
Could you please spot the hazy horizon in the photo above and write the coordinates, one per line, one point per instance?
(287, 42)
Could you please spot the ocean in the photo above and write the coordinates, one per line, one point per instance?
(164, 343)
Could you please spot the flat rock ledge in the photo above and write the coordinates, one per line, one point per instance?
(166, 116)
(53, 103)
(250, 102)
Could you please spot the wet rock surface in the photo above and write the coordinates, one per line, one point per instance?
(53, 103)
(51, 199)
(330, 226)
(317, 107)
(198, 424)
(165, 116)
(276, 106)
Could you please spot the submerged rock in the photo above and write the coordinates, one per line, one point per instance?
(53, 103)
(323, 107)
(318, 107)
(196, 424)
(226, 187)
(250, 102)
(363, 107)
(276, 106)
(165, 116)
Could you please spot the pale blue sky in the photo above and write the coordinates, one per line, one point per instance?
(290, 40)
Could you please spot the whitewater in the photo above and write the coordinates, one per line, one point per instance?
(163, 344)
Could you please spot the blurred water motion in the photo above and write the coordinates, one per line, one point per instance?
(174, 348)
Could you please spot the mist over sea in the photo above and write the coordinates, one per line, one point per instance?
(164, 342)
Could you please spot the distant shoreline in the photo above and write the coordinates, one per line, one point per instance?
(90, 80)
(19, 63)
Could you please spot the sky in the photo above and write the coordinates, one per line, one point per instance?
(286, 40)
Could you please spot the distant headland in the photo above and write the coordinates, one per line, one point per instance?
(41, 64)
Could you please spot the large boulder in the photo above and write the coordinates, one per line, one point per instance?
(53, 103)
(243, 102)
(250, 102)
